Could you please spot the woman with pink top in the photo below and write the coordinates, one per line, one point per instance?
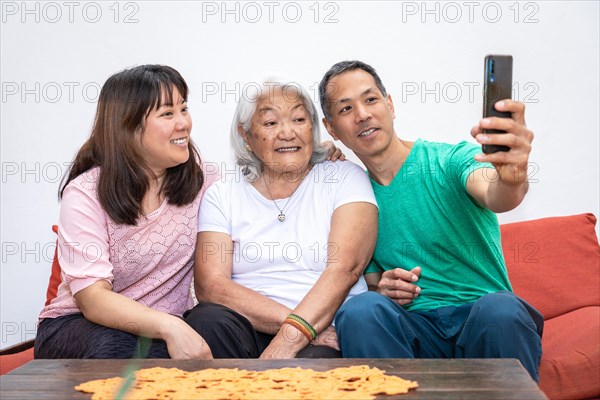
(127, 227)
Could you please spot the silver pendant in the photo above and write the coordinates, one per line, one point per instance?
(281, 217)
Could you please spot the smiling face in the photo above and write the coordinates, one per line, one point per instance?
(361, 117)
(280, 133)
(165, 139)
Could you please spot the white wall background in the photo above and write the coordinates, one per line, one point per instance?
(55, 56)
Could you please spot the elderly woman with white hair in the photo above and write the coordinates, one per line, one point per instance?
(282, 247)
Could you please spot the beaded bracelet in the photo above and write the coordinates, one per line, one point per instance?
(303, 326)
(299, 326)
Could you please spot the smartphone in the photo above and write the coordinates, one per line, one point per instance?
(497, 85)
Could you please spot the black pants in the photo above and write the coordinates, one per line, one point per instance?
(73, 336)
(228, 334)
(231, 335)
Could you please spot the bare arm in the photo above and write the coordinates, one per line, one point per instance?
(372, 279)
(353, 234)
(212, 283)
(101, 305)
(82, 221)
(505, 187)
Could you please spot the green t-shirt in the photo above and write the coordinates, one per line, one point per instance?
(428, 219)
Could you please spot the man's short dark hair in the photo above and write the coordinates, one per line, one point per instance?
(340, 68)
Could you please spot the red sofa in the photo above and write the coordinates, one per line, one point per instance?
(554, 264)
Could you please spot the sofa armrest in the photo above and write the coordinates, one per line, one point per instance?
(17, 348)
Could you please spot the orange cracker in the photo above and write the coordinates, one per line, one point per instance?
(356, 382)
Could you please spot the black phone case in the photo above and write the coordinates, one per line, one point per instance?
(497, 85)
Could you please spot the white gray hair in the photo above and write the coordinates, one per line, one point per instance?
(246, 107)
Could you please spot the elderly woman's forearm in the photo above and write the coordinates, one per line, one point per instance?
(322, 301)
(264, 314)
(354, 231)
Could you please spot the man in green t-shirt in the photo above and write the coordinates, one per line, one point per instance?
(439, 286)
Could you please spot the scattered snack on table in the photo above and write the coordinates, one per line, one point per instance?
(357, 382)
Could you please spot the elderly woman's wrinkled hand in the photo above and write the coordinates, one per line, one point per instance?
(286, 344)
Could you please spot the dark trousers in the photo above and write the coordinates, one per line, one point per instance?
(228, 334)
(73, 336)
(498, 325)
(231, 335)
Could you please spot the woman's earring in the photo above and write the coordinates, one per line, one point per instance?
(248, 148)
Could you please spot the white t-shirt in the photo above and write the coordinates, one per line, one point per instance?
(283, 260)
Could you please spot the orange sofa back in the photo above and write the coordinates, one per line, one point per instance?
(554, 264)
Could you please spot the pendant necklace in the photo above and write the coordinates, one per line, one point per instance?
(281, 216)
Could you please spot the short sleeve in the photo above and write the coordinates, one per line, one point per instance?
(349, 182)
(83, 249)
(461, 160)
(213, 216)
(372, 267)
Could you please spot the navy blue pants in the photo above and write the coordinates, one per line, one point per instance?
(498, 325)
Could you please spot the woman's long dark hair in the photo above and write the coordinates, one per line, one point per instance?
(125, 101)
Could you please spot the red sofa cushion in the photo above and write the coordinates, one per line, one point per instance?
(55, 274)
(570, 366)
(554, 263)
(11, 361)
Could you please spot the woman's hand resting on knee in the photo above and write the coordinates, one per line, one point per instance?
(183, 342)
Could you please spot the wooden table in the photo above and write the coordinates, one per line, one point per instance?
(438, 379)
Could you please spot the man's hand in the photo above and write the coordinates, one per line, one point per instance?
(511, 165)
(334, 153)
(505, 187)
(398, 284)
(327, 337)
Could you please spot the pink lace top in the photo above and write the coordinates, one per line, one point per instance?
(150, 262)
